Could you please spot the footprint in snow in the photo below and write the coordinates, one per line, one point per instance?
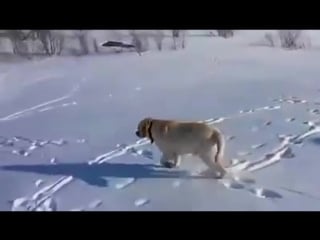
(229, 138)
(77, 210)
(141, 202)
(82, 140)
(95, 204)
(124, 183)
(121, 145)
(38, 182)
(290, 119)
(20, 204)
(144, 153)
(53, 160)
(246, 111)
(233, 185)
(176, 183)
(254, 129)
(288, 154)
(257, 146)
(242, 154)
(59, 142)
(21, 152)
(265, 193)
(267, 123)
(314, 111)
(49, 205)
(244, 180)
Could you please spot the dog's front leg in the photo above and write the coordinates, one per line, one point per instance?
(177, 160)
(165, 160)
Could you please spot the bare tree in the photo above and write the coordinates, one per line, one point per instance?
(95, 45)
(289, 38)
(175, 36)
(51, 43)
(82, 37)
(158, 37)
(270, 39)
(140, 41)
(16, 38)
(183, 38)
(225, 33)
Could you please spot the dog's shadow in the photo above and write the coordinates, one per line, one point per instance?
(315, 140)
(95, 174)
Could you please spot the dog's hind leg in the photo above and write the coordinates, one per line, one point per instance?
(215, 167)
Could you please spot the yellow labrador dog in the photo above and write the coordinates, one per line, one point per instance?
(175, 138)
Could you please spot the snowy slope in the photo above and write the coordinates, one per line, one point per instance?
(68, 142)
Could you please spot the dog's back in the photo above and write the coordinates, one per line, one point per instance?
(181, 137)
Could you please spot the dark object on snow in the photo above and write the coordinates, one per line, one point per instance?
(118, 44)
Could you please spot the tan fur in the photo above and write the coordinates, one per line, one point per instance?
(175, 138)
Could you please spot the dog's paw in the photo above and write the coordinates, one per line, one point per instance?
(220, 174)
(168, 164)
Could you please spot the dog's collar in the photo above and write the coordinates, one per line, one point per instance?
(150, 133)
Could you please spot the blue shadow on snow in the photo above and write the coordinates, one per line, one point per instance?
(315, 140)
(94, 174)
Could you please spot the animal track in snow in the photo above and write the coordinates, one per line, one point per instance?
(45, 109)
(256, 191)
(291, 100)
(265, 193)
(20, 152)
(81, 140)
(267, 123)
(39, 200)
(141, 202)
(38, 182)
(77, 210)
(95, 204)
(243, 153)
(282, 151)
(254, 129)
(290, 119)
(144, 153)
(314, 111)
(257, 146)
(229, 138)
(24, 204)
(69, 104)
(46, 192)
(176, 183)
(233, 185)
(53, 160)
(49, 205)
(124, 183)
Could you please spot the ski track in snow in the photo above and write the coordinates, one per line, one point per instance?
(39, 199)
(234, 183)
(42, 107)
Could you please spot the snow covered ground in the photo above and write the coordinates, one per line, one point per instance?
(67, 128)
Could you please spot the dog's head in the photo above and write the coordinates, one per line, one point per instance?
(144, 129)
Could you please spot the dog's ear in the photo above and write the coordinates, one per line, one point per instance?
(147, 127)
